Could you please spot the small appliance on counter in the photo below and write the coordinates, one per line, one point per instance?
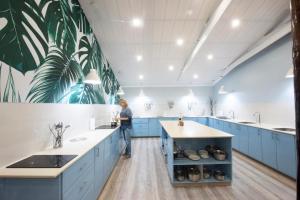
(43, 161)
(180, 120)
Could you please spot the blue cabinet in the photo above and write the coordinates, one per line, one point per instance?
(99, 168)
(154, 127)
(140, 127)
(203, 120)
(269, 149)
(236, 131)
(244, 140)
(255, 143)
(286, 154)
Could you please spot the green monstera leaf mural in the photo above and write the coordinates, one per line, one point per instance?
(23, 34)
(54, 77)
(80, 18)
(62, 28)
(86, 94)
(10, 92)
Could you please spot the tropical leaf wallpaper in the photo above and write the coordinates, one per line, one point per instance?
(47, 47)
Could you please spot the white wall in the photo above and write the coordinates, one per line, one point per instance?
(260, 85)
(24, 127)
(158, 97)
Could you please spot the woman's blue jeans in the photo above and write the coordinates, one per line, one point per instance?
(126, 135)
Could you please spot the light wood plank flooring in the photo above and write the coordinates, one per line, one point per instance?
(144, 177)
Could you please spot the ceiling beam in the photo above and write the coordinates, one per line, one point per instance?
(263, 43)
(213, 20)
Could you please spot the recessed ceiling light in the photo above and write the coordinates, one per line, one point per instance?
(210, 56)
(195, 76)
(179, 42)
(139, 58)
(141, 77)
(137, 22)
(171, 68)
(235, 23)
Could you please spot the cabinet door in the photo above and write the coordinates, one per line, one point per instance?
(286, 154)
(1, 189)
(154, 129)
(269, 148)
(236, 129)
(202, 120)
(115, 147)
(107, 157)
(140, 130)
(99, 168)
(244, 140)
(255, 143)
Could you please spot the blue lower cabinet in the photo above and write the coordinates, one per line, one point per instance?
(99, 168)
(140, 130)
(154, 127)
(203, 120)
(1, 189)
(107, 157)
(236, 130)
(255, 143)
(286, 154)
(269, 149)
(29, 189)
(244, 140)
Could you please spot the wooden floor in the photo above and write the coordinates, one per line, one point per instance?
(144, 177)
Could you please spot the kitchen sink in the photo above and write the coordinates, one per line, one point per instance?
(78, 139)
(285, 129)
(222, 117)
(247, 122)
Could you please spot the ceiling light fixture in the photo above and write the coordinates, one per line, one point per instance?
(141, 77)
(120, 91)
(139, 58)
(210, 56)
(137, 22)
(235, 23)
(92, 78)
(179, 42)
(171, 68)
(195, 76)
(290, 73)
(222, 90)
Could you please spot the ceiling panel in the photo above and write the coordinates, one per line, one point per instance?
(167, 20)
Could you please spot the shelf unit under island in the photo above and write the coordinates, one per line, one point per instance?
(194, 136)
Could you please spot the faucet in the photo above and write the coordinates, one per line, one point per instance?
(257, 116)
(232, 114)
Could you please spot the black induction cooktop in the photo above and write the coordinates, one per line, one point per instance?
(43, 161)
(106, 127)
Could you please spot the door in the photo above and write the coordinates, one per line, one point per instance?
(244, 140)
(269, 148)
(99, 180)
(255, 143)
(107, 157)
(286, 154)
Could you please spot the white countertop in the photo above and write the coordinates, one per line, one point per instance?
(192, 129)
(80, 148)
(262, 125)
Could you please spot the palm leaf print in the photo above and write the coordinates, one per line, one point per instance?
(54, 77)
(23, 34)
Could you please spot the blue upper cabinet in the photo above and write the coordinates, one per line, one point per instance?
(286, 154)
(255, 143)
(154, 127)
(269, 149)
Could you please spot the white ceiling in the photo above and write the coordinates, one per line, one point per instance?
(167, 20)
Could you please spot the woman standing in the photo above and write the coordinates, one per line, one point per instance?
(126, 125)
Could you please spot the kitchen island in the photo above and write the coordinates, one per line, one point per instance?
(194, 137)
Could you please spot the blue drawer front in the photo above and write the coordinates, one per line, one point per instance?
(140, 121)
(71, 175)
(81, 186)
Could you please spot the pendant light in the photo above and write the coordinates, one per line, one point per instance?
(290, 73)
(120, 91)
(222, 90)
(92, 78)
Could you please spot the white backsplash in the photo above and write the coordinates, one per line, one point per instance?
(24, 127)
